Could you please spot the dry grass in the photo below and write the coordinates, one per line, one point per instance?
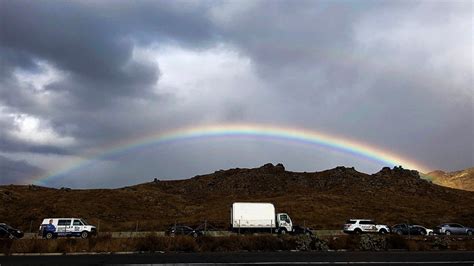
(322, 200)
(153, 243)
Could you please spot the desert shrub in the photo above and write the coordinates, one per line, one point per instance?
(469, 245)
(397, 242)
(372, 242)
(303, 243)
(261, 243)
(219, 244)
(318, 244)
(5, 246)
(440, 243)
(152, 243)
(246, 242)
(182, 243)
(71, 245)
(34, 246)
(288, 242)
(414, 245)
(103, 237)
(338, 242)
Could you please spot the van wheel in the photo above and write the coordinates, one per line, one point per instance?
(84, 235)
(49, 235)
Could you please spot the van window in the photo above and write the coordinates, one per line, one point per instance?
(64, 222)
(77, 222)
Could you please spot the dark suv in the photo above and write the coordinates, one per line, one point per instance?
(407, 229)
(7, 231)
(183, 230)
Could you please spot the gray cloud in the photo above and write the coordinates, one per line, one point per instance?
(391, 74)
(14, 172)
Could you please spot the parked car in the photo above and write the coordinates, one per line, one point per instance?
(63, 227)
(426, 231)
(407, 229)
(301, 230)
(453, 229)
(358, 226)
(7, 231)
(183, 230)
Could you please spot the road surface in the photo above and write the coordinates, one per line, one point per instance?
(316, 258)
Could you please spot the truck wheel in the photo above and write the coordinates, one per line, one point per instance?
(282, 231)
(84, 235)
(49, 235)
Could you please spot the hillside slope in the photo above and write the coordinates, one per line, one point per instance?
(460, 179)
(320, 199)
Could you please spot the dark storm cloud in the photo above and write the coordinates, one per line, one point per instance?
(94, 43)
(14, 172)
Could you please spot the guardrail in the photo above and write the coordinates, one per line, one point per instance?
(321, 233)
(162, 233)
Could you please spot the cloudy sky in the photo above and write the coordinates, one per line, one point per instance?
(78, 77)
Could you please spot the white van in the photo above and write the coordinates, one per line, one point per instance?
(66, 227)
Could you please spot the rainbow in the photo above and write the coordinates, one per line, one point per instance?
(304, 136)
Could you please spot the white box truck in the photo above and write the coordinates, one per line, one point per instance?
(258, 217)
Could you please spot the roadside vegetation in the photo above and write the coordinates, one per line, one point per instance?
(153, 243)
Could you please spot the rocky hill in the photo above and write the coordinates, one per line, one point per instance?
(460, 179)
(322, 200)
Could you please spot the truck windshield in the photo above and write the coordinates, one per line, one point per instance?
(285, 217)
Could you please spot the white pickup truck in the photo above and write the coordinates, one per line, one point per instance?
(358, 226)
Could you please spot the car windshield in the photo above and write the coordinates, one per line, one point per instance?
(84, 222)
(6, 226)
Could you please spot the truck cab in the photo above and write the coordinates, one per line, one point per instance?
(285, 225)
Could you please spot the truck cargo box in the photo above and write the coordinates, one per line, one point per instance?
(252, 215)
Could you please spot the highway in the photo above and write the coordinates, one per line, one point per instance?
(293, 258)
